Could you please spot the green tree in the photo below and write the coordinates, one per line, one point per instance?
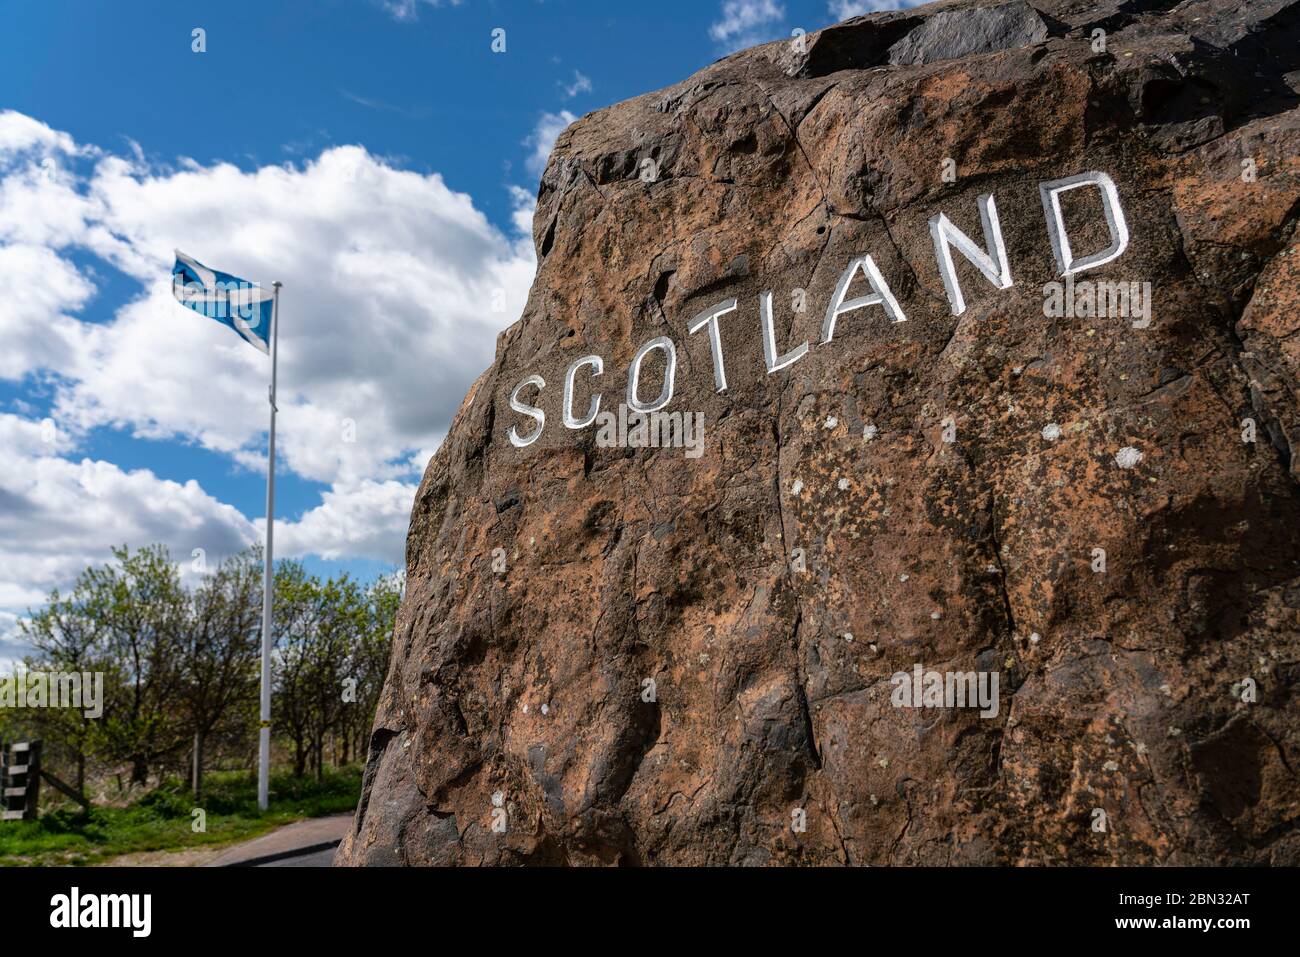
(142, 608)
(67, 635)
(369, 660)
(181, 666)
(219, 651)
(317, 626)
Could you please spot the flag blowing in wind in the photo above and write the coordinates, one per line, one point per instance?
(242, 305)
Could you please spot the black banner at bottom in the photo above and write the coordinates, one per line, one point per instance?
(334, 906)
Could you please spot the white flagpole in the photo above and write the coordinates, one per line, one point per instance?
(268, 578)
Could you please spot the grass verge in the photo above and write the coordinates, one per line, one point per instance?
(163, 818)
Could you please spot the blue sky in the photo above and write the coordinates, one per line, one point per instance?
(376, 155)
(283, 78)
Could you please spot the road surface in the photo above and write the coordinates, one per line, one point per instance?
(302, 844)
(314, 859)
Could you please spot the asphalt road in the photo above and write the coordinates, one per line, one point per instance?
(309, 843)
(315, 859)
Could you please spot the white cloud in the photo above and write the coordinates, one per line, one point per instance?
(58, 516)
(407, 10)
(746, 22)
(390, 279)
(368, 518)
(371, 103)
(580, 84)
(542, 140)
(40, 290)
(395, 287)
(12, 646)
(19, 132)
(525, 204)
(844, 9)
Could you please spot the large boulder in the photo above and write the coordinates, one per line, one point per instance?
(710, 655)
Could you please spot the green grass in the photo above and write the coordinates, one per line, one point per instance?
(161, 819)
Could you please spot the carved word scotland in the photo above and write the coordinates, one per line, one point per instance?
(991, 261)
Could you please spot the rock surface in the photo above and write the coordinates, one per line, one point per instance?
(547, 585)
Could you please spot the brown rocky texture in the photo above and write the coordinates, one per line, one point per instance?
(776, 168)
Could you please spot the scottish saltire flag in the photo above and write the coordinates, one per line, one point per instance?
(242, 305)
